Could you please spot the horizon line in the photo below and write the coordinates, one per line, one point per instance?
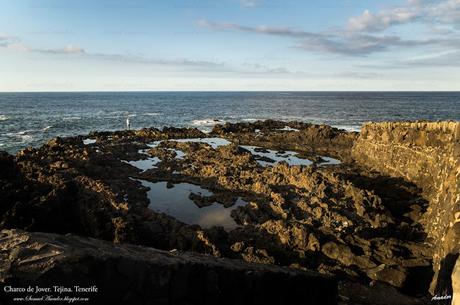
(223, 91)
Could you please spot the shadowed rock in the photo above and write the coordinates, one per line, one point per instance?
(128, 274)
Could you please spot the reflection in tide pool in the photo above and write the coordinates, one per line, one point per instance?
(176, 203)
(290, 157)
(179, 153)
(89, 141)
(213, 142)
(287, 156)
(330, 161)
(144, 165)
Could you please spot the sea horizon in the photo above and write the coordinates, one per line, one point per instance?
(32, 118)
(236, 91)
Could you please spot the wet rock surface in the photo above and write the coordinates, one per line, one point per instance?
(362, 226)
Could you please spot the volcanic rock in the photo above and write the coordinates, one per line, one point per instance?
(128, 274)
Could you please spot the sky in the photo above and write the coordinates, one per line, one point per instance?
(242, 45)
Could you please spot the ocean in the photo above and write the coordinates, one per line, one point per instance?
(30, 119)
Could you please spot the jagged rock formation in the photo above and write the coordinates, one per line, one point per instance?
(128, 274)
(364, 221)
(308, 138)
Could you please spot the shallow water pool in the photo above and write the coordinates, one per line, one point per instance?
(263, 155)
(145, 164)
(287, 156)
(89, 141)
(213, 142)
(175, 202)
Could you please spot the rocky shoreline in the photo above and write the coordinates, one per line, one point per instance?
(363, 209)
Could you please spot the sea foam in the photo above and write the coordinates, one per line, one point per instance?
(207, 122)
(151, 113)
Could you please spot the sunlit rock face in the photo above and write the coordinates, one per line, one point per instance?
(456, 283)
(427, 154)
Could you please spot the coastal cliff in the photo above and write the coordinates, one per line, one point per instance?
(427, 154)
(367, 209)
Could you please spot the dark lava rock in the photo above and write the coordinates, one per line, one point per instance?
(348, 221)
(391, 275)
(127, 274)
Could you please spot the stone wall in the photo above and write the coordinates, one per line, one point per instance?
(427, 154)
(456, 283)
(128, 274)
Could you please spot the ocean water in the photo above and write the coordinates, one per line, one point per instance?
(30, 119)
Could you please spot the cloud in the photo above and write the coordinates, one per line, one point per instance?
(157, 61)
(359, 45)
(6, 40)
(184, 64)
(445, 59)
(380, 21)
(358, 74)
(276, 31)
(14, 43)
(250, 3)
(70, 49)
(448, 58)
(446, 11)
(338, 41)
(264, 69)
(365, 34)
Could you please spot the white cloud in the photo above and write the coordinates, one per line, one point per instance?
(380, 21)
(445, 11)
(365, 34)
(14, 43)
(261, 29)
(250, 3)
(359, 45)
(448, 58)
(338, 42)
(70, 49)
(6, 40)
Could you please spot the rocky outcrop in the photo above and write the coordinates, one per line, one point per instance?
(128, 274)
(362, 221)
(427, 154)
(47, 183)
(309, 139)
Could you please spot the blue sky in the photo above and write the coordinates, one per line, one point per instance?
(66, 45)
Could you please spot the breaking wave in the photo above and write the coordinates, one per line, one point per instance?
(355, 128)
(151, 113)
(207, 122)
